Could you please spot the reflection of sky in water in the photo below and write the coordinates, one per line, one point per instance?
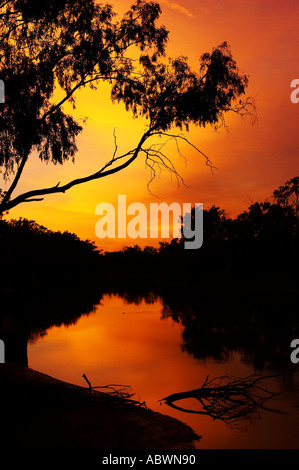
(129, 344)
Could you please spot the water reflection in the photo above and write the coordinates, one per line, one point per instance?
(27, 315)
(259, 325)
(163, 342)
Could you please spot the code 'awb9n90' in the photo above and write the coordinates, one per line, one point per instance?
(146, 225)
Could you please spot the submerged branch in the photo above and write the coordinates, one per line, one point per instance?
(229, 399)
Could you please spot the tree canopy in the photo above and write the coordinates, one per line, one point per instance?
(260, 242)
(74, 44)
(288, 195)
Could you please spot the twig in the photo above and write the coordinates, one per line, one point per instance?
(121, 394)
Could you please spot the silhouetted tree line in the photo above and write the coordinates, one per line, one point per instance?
(48, 278)
(52, 278)
(262, 240)
(34, 256)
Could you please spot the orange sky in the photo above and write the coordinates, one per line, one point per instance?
(252, 160)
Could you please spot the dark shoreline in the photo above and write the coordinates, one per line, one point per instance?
(41, 412)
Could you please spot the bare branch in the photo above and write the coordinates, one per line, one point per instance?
(115, 145)
(155, 159)
(229, 399)
(246, 108)
(104, 171)
(182, 137)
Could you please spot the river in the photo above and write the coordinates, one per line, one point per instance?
(158, 350)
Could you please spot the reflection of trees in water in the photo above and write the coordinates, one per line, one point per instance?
(51, 279)
(26, 315)
(136, 297)
(257, 324)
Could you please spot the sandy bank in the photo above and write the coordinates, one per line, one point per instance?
(40, 412)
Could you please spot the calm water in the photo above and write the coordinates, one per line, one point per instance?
(138, 342)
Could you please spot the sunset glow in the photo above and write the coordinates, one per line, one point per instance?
(251, 160)
(149, 227)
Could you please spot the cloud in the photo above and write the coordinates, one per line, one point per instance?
(176, 6)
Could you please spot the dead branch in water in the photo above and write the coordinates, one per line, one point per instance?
(229, 399)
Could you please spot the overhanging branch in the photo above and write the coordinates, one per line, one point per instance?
(33, 195)
(154, 158)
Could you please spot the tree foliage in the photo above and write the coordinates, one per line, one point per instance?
(288, 194)
(36, 258)
(74, 44)
(261, 241)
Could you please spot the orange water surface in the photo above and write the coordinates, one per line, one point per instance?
(130, 344)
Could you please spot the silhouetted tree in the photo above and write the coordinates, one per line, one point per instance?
(34, 256)
(73, 44)
(288, 195)
(215, 226)
(268, 221)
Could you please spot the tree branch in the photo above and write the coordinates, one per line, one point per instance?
(154, 157)
(231, 400)
(15, 181)
(33, 195)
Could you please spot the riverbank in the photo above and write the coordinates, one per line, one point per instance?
(40, 412)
